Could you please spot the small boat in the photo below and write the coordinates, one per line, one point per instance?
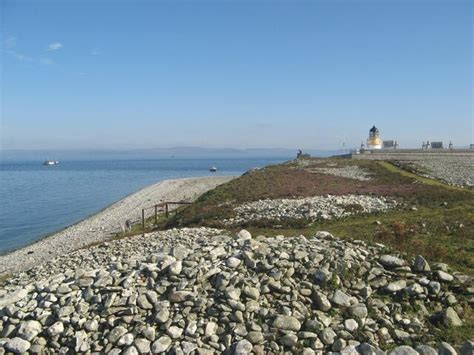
(213, 169)
(50, 162)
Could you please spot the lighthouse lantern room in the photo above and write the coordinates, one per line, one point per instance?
(374, 141)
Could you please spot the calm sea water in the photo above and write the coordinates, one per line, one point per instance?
(37, 200)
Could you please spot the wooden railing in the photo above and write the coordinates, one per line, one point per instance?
(165, 205)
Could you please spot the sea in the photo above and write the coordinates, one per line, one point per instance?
(37, 200)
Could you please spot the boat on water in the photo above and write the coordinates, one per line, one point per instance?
(51, 162)
(213, 169)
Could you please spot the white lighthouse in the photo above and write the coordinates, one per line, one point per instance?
(374, 141)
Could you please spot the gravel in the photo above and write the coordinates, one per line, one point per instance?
(105, 224)
(349, 171)
(129, 296)
(457, 171)
(310, 208)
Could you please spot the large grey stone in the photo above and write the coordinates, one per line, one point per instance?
(29, 329)
(421, 265)
(162, 315)
(426, 350)
(149, 333)
(444, 276)
(161, 344)
(451, 318)
(446, 349)
(243, 347)
(322, 275)
(233, 262)
(434, 287)
(91, 325)
(321, 302)
(126, 339)
(255, 337)
(188, 347)
(131, 350)
(142, 345)
(17, 345)
(286, 323)
(56, 329)
(143, 302)
(396, 286)
(358, 310)
(251, 292)
(288, 340)
(211, 328)
(14, 297)
(403, 350)
(341, 299)
(327, 336)
(174, 332)
(82, 345)
(65, 311)
(116, 333)
(391, 261)
(368, 349)
(351, 325)
(180, 296)
(244, 235)
(175, 268)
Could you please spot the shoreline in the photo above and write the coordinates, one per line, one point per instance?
(103, 225)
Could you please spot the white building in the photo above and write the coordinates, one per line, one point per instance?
(374, 141)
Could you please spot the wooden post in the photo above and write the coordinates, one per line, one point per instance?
(156, 215)
(166, 209)
(143, 220)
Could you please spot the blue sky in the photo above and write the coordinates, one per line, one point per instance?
(243, 74)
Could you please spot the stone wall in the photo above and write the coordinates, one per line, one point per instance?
(412, 154)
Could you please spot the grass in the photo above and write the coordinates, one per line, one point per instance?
(440, 227)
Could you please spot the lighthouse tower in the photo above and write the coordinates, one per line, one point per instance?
(374, 141)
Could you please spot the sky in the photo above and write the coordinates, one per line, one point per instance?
(241, 74)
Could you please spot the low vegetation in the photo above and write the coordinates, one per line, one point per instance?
(433, 219)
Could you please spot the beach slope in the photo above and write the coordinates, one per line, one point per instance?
(105, 224)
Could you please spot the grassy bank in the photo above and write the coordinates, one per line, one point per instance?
(434, 219)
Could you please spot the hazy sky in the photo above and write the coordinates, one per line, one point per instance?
(310, 74)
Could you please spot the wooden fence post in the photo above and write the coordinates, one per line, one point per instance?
(166, 207)
(156, 215)
(143, 220)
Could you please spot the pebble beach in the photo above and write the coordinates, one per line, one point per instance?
(105, 224)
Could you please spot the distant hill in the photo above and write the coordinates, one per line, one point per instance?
(159, 153)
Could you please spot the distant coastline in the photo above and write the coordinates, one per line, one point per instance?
(159, 153)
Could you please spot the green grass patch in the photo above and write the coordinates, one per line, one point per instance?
(439, 228)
